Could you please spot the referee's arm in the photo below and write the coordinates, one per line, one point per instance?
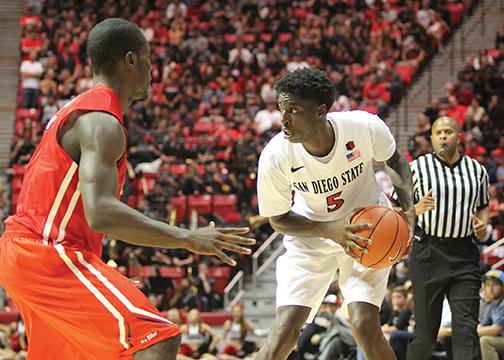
(482, 215)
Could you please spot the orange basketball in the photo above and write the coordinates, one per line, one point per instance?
(389, 233)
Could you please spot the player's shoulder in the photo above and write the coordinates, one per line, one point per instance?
(275, 150)
(353, 117)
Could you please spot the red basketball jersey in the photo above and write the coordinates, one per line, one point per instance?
(50, 203)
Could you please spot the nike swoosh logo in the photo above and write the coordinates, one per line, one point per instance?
(293, 169)
(394, 259)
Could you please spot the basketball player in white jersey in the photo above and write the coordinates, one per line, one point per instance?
(312, 177)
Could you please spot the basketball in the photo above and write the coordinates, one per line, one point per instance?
(389, 234)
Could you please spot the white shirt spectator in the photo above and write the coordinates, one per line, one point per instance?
(242, 53)
(31, 72)
(176, 8)
(266, 119)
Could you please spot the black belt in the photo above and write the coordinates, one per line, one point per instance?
(426, 237)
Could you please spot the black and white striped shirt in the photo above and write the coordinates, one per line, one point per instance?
(459, 191)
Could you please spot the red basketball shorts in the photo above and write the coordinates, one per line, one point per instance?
(74, 305)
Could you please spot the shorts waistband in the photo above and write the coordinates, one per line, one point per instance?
(427, 237)
(20, 231)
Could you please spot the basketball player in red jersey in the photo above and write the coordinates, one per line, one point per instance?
(74, 305)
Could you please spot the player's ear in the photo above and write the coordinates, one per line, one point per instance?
(321, 110)
(131, 59)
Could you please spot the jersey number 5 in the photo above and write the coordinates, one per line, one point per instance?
(333, 203)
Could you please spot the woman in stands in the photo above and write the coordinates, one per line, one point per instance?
(198, 338)
(235, 332)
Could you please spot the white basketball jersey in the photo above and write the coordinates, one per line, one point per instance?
(292, 179)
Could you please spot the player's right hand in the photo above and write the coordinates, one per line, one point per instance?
(212, 241)
(346, 234)
(427, 203)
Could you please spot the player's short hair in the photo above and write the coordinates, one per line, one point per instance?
(309, 84)
(110, 40)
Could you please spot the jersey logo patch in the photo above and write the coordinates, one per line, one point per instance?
(350, 145)
(351, 156)
(293, 169)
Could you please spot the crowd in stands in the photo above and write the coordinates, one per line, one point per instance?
(193, 145)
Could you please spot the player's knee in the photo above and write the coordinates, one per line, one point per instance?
(166, 350)
(364, 326)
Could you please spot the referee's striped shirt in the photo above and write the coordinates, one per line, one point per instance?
(459, 190)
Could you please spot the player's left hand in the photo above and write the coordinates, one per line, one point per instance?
(411, 219)
(479, 228)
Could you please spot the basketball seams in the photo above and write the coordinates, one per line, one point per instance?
(372, 231)
(354, 220)
(393, 242)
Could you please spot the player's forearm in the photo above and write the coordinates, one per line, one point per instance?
(119, 221)
(400, 174)
(296, 225)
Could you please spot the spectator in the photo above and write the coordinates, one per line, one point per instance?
(399, 318)
(235, 333)
(49, 110)
(198, 338)
(491, 329)
(309, 340)
(22, 150)
(266, 119)
(31, 70)
(207, 298)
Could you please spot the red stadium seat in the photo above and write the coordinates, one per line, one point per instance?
(225, 208)
(178, 169)
(33, 114)
(230, 38)
(219, 272)
(248, 38)
(284, 37)
(210, 318)
(266, 37)
(202, 127)
(7, 317)
(202, 204)
(172, 272)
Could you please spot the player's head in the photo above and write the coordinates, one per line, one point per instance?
(304, 98)
(118, 49)
(445, 136)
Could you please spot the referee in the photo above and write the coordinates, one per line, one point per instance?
(451, 196)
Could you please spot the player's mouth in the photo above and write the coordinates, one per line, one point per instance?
(287, 133)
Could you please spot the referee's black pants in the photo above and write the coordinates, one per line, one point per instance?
(448, 267)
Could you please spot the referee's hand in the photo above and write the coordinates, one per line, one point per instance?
(479, 228)
(427, 203)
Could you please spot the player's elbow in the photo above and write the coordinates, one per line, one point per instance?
(97, 218)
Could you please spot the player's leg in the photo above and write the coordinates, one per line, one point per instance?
(363, 290)
(164, 350)
(284, 332)
(91, 307)
(366, 329)
(303, 278)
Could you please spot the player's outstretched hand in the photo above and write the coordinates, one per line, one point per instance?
(346, 234)
(212, 241)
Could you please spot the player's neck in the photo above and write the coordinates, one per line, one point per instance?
(118, 87)
(322, 141)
